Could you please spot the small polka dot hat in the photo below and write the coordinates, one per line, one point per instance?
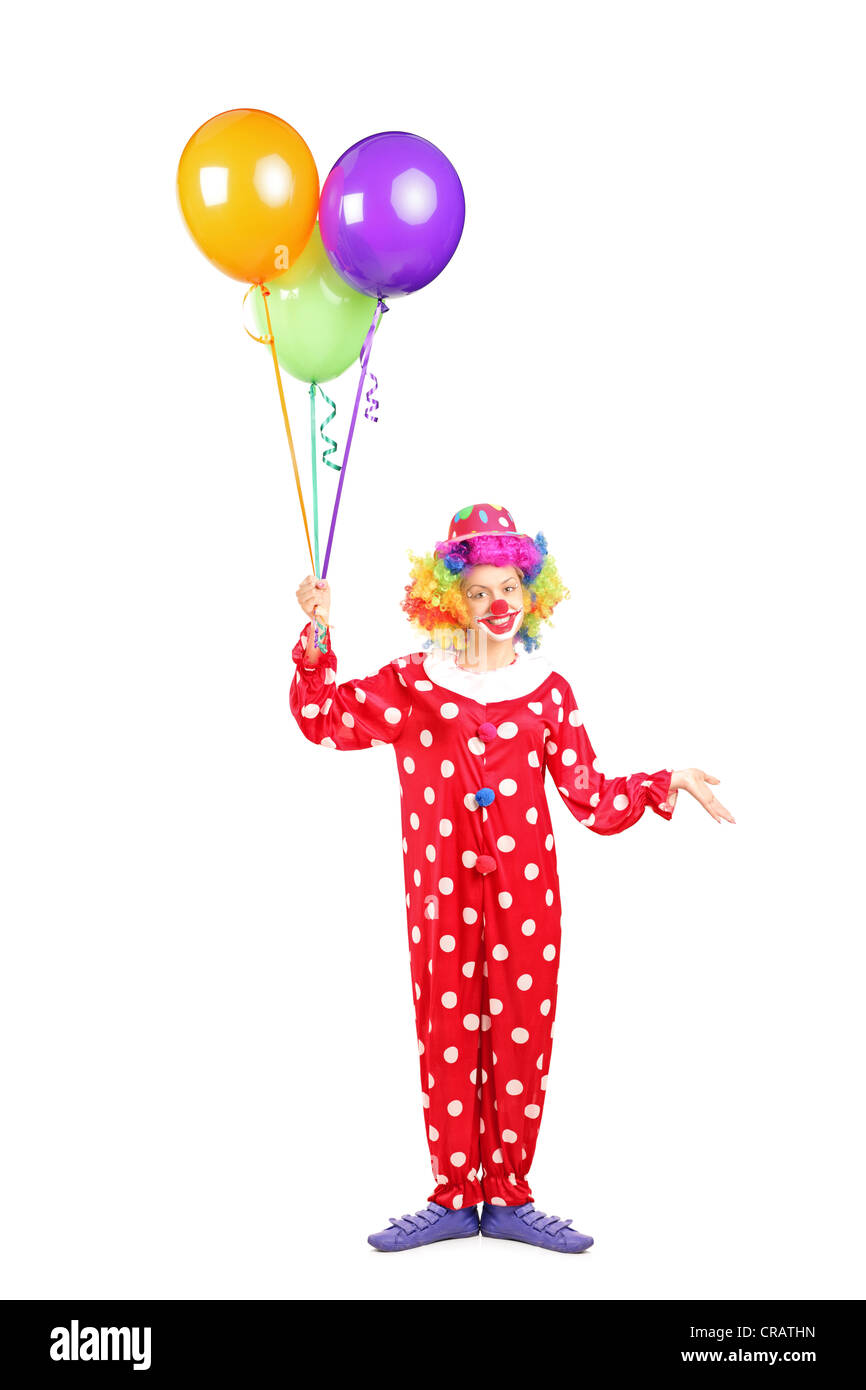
(482, 519)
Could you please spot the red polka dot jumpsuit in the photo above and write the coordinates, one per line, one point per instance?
(482, 891)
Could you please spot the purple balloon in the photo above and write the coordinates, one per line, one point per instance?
(391, 213)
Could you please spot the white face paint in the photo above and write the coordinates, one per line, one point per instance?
(502, 628)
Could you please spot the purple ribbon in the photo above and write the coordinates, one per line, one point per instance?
(381, 308)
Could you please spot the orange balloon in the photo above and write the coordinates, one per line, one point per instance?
(248, 189)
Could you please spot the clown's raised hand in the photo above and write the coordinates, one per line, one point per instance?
(699, 784)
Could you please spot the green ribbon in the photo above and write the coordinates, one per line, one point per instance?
(326, 438)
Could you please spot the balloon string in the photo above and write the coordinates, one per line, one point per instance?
(270, 341)
(326, 438)
(381, 308)
(315, 475)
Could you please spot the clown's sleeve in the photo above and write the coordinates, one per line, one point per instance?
(606, 805)
(355, 714)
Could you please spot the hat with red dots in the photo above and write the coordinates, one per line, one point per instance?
(482, 519)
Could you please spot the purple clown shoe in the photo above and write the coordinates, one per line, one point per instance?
(533, 1227)
(425, 1227)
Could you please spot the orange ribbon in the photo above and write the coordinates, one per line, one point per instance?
(269, 340)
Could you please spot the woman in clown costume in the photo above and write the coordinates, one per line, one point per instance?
(476, 720)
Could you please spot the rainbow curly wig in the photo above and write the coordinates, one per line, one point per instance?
(434, 600)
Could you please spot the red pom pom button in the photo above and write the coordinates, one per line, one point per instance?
(487, 730)
(485, 863)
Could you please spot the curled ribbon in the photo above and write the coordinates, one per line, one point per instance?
(326, 438)
(372, 403)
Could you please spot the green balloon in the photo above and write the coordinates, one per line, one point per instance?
(319, 321)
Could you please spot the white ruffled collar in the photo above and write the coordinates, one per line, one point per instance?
(521, 677)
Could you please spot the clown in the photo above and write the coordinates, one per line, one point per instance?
(476, 720)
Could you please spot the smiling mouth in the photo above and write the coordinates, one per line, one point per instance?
(499, 624)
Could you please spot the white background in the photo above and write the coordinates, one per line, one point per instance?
(649, 344)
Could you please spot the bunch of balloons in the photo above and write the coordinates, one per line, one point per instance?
(390, 217)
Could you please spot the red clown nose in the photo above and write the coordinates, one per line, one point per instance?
(499, 607)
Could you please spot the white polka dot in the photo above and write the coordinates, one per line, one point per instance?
(449, 710)
(455, 1107)
(590, 820)
(360, 695)
(458, 1159)
(446, 768)
(430, 851)
(531, 871)
(543, 1083)
(496, 1156)
(414, 820)
(505, 843)
(445, 827)
(449, 999)
(451, 1054)
(469, 802)
(310, 711)
(520, 1035)
(425, 1100)
(620, 802)
(548, 842)
(552, 747)
(532, 1112)
(595, 799)
(500, 952)
(485, 1024)
(433, 1132)
(426, 737)
(524, 982)
(503, 521)
(476, 745)
(423, 685)
(468, 859)
(446, 885)
(505, 899)
(471, 1021)
(548, 897)
(556, 696)
(447, 943)
(392, 715)
(540, 1061)
(429, 795)
(470, 915)
(508, 786)
(549, 953)
(533, 759)
(544, 1007)
(514, 1088)
(506, 730)
(568, 757)
(469, 969)
(405, 845)
(498, 1201)
(409, 764)
(416, 935)
(457, 1201)
(532, 815)
(327, 742)
(509, 1137)
(329, 676)
(417, 878)
(420, 1048)
(536, 706)
(528, 927)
